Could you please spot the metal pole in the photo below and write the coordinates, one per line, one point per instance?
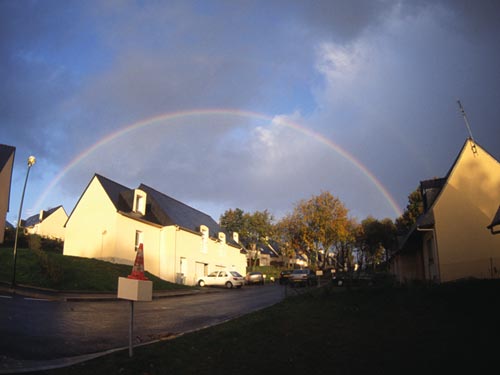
(131, 331)
(19, 224)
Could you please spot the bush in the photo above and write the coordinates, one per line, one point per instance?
(52, 270)
(52, 245)
(10, 237)
(34, 242)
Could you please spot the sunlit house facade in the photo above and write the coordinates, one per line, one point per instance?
(48, 223)
(181, 244)
(451, 240)
(6, 165)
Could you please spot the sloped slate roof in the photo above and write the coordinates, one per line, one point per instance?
(173, 212)
(424, 221)
(5, 153)
(435, 183)
(496, 219)
(160, 208)
(113, 190)
(270, 250)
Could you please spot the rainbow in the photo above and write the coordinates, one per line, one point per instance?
(219, 112)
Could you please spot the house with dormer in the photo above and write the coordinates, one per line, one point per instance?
(6, 165)
(181, 244)
(48, 223)
(451, 240)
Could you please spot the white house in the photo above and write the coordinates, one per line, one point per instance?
(49, 224)
(181, 244)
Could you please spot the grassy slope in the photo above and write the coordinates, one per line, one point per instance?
(73, 273)
(372, 331)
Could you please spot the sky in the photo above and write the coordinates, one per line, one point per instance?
(245, 104)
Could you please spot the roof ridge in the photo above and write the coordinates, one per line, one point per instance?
(174, 199)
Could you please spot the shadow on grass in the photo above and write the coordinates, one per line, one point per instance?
(398, 330)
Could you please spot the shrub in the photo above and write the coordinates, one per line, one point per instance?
(10, 237)
(34, 242)
(52, 270)
(52, 245)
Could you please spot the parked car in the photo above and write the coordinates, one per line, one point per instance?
(338, 278)
(255, 278)
(229, 279)
(353, 279)
(305, 277)
(284, 276)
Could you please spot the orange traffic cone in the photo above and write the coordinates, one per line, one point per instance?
(138, 269)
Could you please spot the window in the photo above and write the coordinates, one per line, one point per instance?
(139, 238)
(139, 202)
(204, 238)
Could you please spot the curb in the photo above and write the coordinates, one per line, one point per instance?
(56, 295)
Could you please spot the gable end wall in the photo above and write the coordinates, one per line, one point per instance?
(462, 213)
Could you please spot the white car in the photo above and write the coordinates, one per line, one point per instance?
(229, 279)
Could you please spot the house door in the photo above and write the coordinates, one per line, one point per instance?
(183, 271)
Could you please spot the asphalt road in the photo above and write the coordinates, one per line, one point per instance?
(42, 330)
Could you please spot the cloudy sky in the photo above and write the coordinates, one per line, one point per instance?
(249, 104)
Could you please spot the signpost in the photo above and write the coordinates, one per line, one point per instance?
(135, 287)
(319, 274)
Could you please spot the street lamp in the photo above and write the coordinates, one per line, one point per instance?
(31, 162)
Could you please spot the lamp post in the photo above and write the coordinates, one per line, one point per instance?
(31, 162)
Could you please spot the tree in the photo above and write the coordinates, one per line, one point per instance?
(232, 220)
(376, 239)
(346, 246)
(252, 228)
(315, 226)
(413, 210)
(288, 236)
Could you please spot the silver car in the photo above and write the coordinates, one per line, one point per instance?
(305, 277)
(229, 279)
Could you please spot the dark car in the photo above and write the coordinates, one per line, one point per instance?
(338, 278)
(254, 278)
(353, 279)
(284, 276)
(305, 277)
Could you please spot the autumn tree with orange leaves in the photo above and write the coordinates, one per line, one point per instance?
(315, 227)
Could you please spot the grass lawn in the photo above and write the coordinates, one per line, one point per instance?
(61, 272)
(411, 330)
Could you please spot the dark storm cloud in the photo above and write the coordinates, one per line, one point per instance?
(341, 21)
(473, 19)
(379, 78)
(39, 69)
(395, 91)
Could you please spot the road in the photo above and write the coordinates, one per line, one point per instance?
(40, 330)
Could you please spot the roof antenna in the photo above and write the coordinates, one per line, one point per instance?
(462, 110)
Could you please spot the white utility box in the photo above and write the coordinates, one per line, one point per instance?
(135, 290)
